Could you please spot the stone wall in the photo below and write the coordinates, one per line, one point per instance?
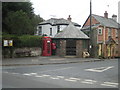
(21, 52)
(62, 47)
(79, 48)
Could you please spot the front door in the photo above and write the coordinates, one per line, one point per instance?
(70, 47)
(100, 50)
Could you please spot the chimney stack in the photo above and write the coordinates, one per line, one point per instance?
(114, 17)
(69, 18)
(106, 14)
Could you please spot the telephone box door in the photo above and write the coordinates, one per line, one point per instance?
(46, 46)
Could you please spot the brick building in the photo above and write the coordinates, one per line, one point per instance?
(71, 42)
(104, 35)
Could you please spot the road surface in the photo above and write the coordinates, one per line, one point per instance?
(103, 74)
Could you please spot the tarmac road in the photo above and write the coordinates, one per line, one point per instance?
(103, 74)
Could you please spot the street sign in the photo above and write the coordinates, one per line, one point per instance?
(8, 43)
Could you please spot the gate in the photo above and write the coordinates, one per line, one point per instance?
(70, 47)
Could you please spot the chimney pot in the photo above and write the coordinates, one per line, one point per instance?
(114, 17)
(106, 14)
(69, 18)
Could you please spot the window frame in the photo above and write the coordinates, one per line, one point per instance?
(100, 31)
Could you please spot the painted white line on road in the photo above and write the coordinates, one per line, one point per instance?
(38, 76)
(100, 69)
(87, 82)
(74, 78)
(27, 74)
(57, 69)
(54, 78)
(60, 76)
(70, 80)
(33, 73)
(109, 85)
(45, 75)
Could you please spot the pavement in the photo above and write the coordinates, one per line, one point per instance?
(45, 60)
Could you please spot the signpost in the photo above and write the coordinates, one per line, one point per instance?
(8, 43)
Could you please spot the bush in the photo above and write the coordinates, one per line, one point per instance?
(30, 41)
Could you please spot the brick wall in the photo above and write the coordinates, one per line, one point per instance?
(94, 21)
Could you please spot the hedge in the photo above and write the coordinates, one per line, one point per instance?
(24, 41)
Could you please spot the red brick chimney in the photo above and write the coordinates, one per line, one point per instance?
(69, 18)
(106, 14)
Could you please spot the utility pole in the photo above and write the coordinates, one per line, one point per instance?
(91, 41)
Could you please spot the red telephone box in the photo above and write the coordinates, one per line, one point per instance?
(46, 46)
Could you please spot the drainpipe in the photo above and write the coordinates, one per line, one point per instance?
(104, 41)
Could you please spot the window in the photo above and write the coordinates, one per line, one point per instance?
(58, 29)
(40, 31)
(116, 33)
(50, 31)
(100, 31)
(109, 32)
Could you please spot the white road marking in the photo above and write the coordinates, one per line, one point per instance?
(27, 74)
(45, 75)
(60, 76)
(100, 69)
(38, 76)
(54, 78)
(109, 85)
(74, 78)
(70, 80)
(87, 82)
(33, 73)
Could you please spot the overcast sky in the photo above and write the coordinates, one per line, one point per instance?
(78, 9)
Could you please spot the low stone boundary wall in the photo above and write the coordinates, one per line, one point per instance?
(21, 52)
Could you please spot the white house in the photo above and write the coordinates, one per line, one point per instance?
(52, 26)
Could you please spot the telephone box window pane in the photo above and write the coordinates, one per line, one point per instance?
(48, 47)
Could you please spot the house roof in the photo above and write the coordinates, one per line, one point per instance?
(109, 22)
(71, 32)
(55, 21)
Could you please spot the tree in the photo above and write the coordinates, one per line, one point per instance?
(18, 23)
(19, 18)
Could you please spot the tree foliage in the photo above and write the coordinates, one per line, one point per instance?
(19, 18)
